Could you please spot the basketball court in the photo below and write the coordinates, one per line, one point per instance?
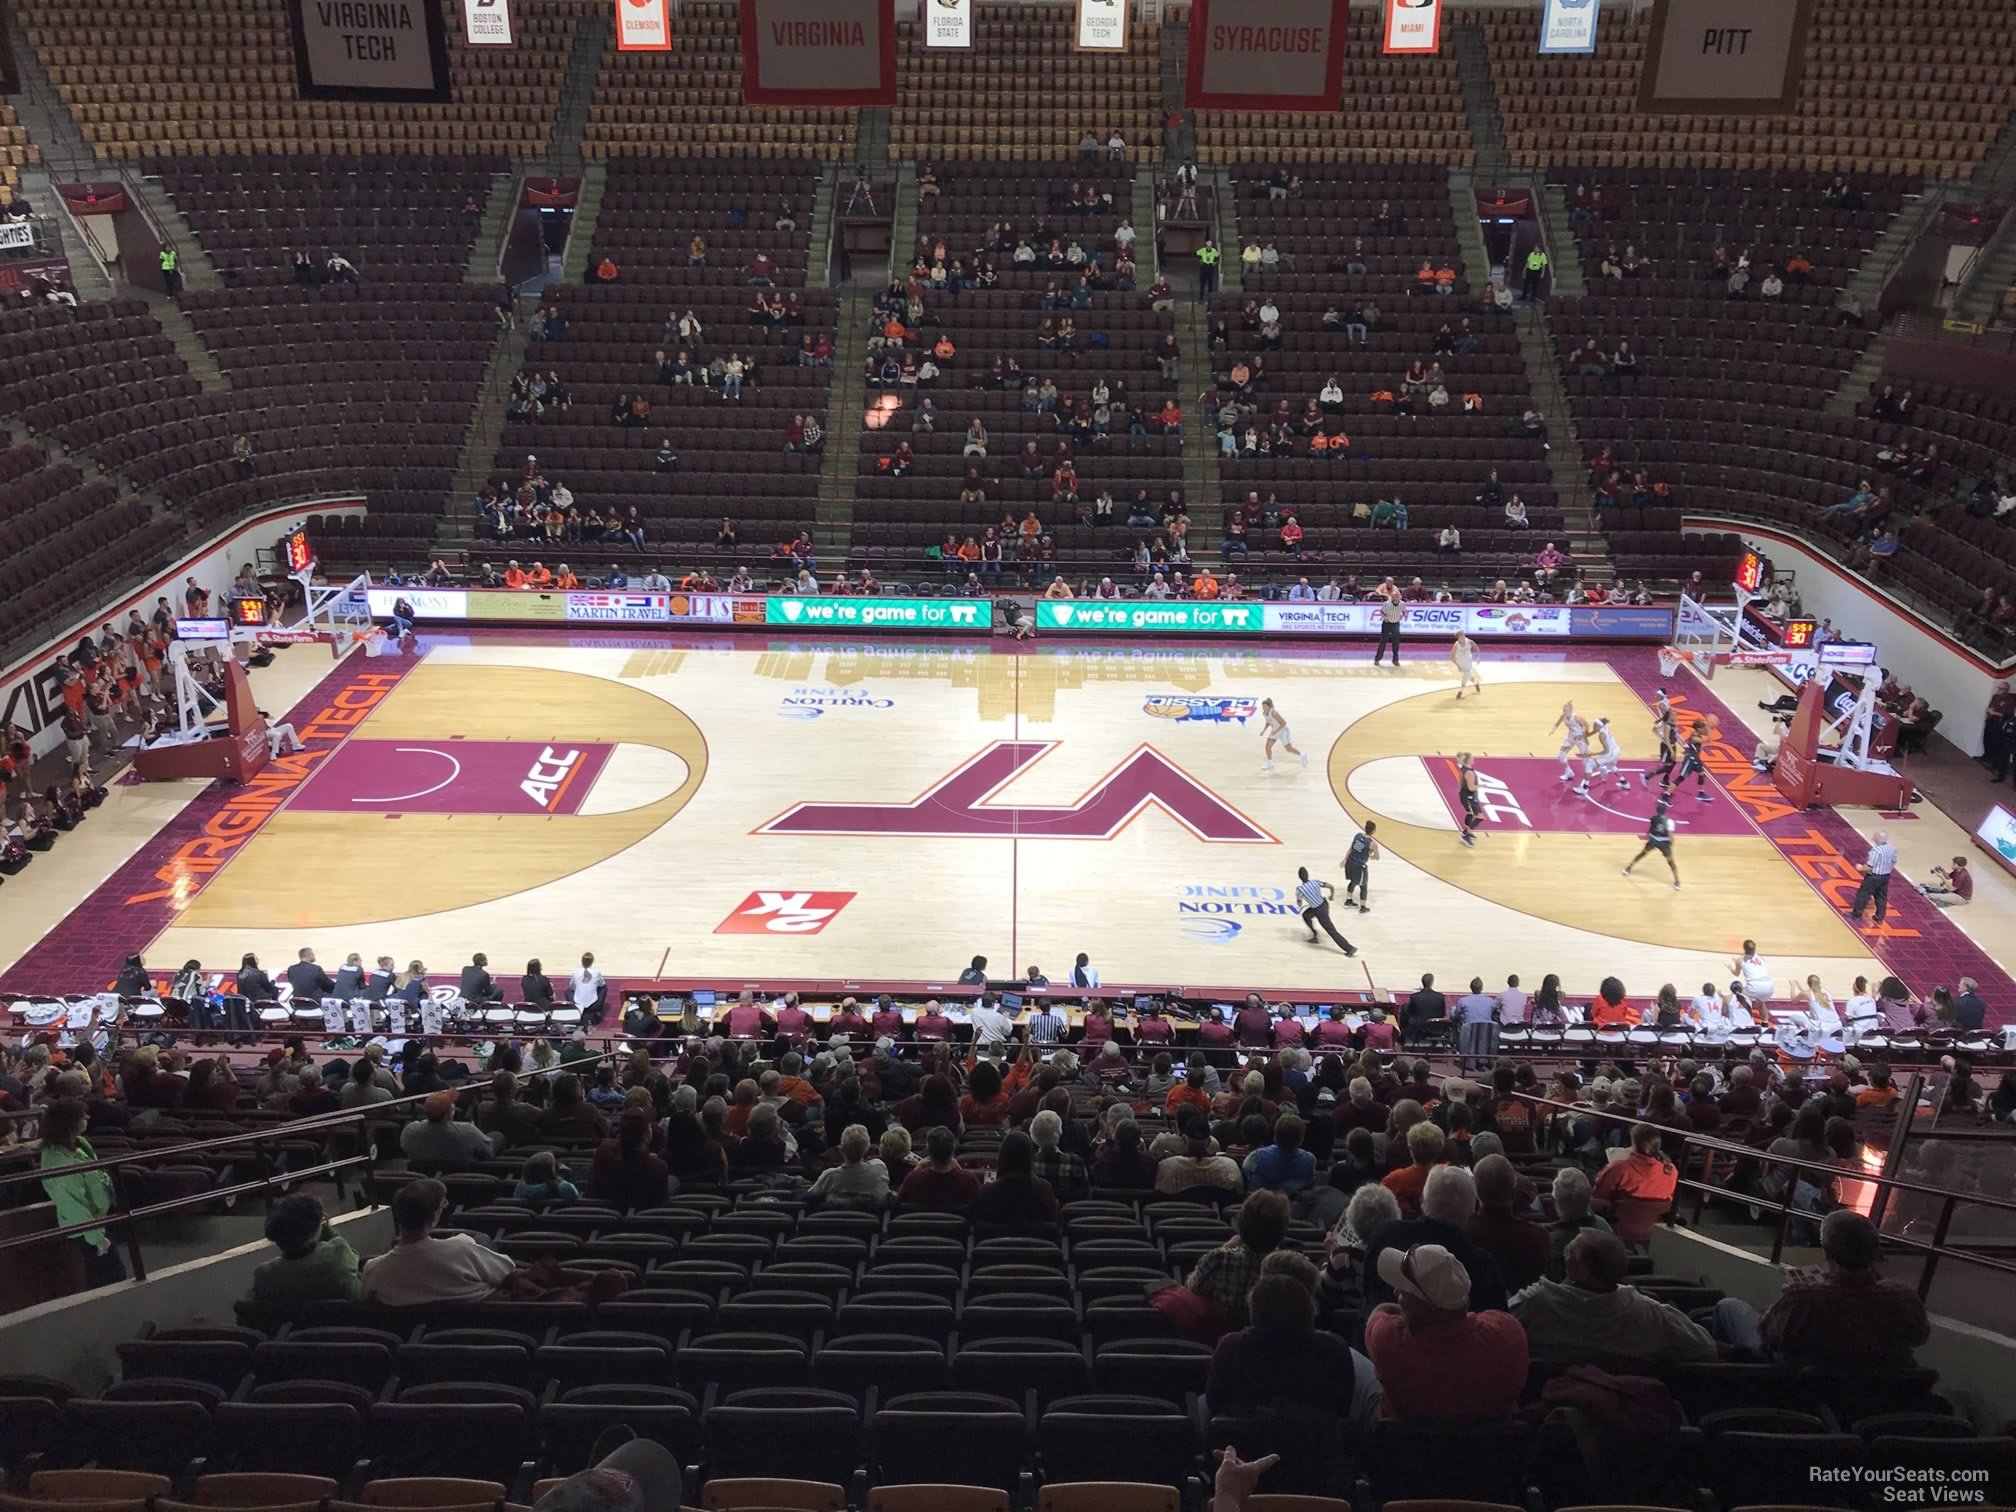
(748, 811)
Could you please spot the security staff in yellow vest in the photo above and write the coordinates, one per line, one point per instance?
(171, 275)
(1536, 271)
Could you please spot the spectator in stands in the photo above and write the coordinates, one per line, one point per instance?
(858, 1181)
(540, 1181)
(1283, 1358)
(1594, 1317)
(1447, 1204)
(438, 1142)
(315, 1263)
(1518, 1245)
(1062, 1170)
(419, 1268)
(339, 269)
(1199, 1165)
(1434, 1357)
(1572, 1199)
(1016, 1197)
(1842, 1315)
(81, 1196)
(1120, 1164)
(1283, 1166)
(1225, 1275)
(625, 1172)
(940, 1182)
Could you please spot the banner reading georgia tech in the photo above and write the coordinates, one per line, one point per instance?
(1266, 54)
(819, 52)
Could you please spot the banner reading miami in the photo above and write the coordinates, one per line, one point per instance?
(819, 52)
(1266, 54)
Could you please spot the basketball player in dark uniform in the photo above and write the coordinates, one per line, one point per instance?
(1691, 764)
(1659, 837)
(1466, 789)
(1358, 866)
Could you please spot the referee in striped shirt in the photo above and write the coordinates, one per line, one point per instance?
(1315, 899)
(1046, 1026)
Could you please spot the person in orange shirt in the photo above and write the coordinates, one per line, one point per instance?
(514, 575)
(1188, 1093)
(1426, 1145)
(1204, 586)
(565, 578)
(1610, 1011)
(1425, 275)
(1445, 280)
(1319, 444)
(540, 576)
(943, 349)
(1643, 1175)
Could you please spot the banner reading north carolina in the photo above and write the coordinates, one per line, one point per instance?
(643, 26)
(1413, 26)
(1266, 54)
(819, 52)
(1568, 26)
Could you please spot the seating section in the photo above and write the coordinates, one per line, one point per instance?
(142, 83)
(1115, 340)
(977, 102)
(1436, 461)
(1728, 395)
(688, 103)
(1394, 110)
(16, 151)
(1882, 92)
(731, 452)
(58, 531)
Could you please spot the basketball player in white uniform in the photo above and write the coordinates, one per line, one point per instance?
(1604, 762)
(1463, 652)
(1574, 738)
(1277, 730)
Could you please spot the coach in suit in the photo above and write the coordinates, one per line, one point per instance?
(1422, 1008)
(477, 984)
(310, 982)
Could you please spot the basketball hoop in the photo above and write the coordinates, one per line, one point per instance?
(1671, 658)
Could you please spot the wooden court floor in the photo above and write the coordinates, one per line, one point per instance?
(762, 814)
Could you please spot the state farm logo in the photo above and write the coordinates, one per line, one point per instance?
(798, 913)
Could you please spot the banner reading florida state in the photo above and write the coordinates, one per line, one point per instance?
(1266, 54)
(819, 52)
(1413, 26)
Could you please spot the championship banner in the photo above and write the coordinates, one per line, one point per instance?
(948, 23)
(1725, 57)
(486, 23)
(1568, 26)
(1266, 54)
(1413, 26)
(369, 49)
(819, 52)
(643, 26)
(1101, 26)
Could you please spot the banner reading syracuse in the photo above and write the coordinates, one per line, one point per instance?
(819, 52)
(1413, 26)
(1266, 54)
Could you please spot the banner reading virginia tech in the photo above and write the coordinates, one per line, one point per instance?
(1266, 54)
(819, 52)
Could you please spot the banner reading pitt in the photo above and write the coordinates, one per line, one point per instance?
(819, 52)
(1266, 54)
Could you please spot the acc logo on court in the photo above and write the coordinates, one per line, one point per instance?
(1186, 710)
(778, 912)
(549, 773)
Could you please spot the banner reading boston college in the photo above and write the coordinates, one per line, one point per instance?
(1266, 54)
(819, 52)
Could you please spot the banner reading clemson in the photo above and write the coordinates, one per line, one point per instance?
(819, 52)
(1413, 26)
(1266, 54)
(643, 26)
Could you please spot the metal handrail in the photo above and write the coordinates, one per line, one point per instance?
(1933, 1250)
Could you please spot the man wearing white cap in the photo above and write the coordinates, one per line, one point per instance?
(1434, 1357)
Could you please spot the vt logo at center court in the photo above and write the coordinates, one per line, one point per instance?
(961, 804)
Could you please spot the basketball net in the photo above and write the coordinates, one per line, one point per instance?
(1673, 658)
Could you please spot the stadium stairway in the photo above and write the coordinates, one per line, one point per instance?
(1992, 272)
(871, 137)
(457, 528)
(1147, 246)
(1586, 544)
(1200, 435)
(833, 520)
(1180, 145)
(577, 91)
(197, 357)
(1469, 230)
(1480, 101)
(498, 203)
(902, 221)
(1231, 272)
(1564, 249)
(587, 212)
(199, 273)
(819, 234)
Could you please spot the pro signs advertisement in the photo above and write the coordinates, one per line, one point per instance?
(1266, 54)
(820, 52)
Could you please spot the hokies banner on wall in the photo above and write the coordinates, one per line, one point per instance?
(1266, 54)
(819, 52)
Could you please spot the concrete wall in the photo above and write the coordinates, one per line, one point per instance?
(77, 1339)
(1975, 1366)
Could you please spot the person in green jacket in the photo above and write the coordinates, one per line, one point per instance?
(315, 1265)
(80, 1196)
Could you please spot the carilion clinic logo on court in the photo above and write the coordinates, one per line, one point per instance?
(1209, 912)
(811, 703)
